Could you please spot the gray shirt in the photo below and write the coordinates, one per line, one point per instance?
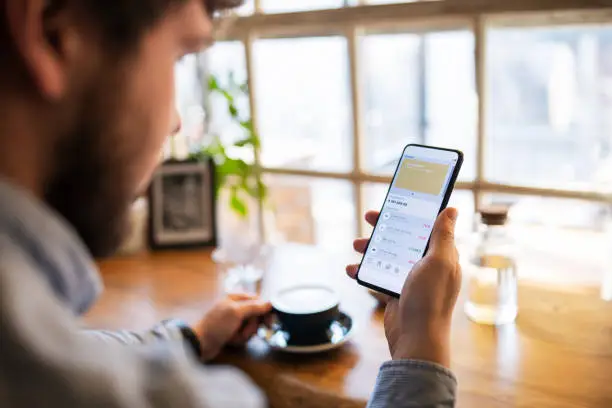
(48, 280)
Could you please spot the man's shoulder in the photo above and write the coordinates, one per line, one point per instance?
(18, 273)
(14, 259)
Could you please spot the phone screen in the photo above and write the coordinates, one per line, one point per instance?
(420, 189)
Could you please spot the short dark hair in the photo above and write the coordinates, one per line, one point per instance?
(123, 22)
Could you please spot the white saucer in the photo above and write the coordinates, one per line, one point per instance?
(339, 332)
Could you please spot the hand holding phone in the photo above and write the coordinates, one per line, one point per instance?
(420, 189)
(412, 252)
(418, 324)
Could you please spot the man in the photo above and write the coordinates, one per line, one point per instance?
(86, 99)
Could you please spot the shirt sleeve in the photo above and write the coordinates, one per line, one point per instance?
(47, 362)
(414, 384)
(160, 332)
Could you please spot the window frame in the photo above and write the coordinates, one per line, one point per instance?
(416, 17)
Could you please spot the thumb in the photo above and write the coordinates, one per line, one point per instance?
(443, 234)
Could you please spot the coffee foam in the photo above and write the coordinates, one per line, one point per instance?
(305, 300)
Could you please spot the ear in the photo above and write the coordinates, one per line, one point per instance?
(41, 38)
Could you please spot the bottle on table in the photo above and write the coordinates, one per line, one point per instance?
(491, 272)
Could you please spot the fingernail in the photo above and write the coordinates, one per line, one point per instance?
(452, 214)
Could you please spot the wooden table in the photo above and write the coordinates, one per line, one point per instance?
(558, 354)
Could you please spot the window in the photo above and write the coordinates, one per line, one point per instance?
(303, 103)
(312, 211)
(189, 104)
(226, 61)
(284, 6)
(412, 97)
(188, 86)
(391, 1)
(550, 116)
(247, 8)
(555, 212)
(557, 240)
(415, 72)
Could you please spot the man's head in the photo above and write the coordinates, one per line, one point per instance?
(87, 100)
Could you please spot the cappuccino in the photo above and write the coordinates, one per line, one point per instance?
(305, 300)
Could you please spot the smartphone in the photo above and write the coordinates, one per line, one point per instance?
(420, 190)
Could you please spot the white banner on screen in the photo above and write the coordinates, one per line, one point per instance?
(412, 206)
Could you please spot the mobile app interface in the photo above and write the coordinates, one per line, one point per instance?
(407, 217)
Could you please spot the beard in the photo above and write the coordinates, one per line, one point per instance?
(89, 186)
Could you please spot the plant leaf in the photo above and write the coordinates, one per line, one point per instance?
(248, 125)
(263, 189)
(240, 178)
(233, 110)
(249, 141)
(237, 167)
(242, 143)
(252, 138)
(249, 188)
(216, 147)
(220, 180)
(255, 187)
(228, 96)
(244, 87)
(213, 84)
(237, 204)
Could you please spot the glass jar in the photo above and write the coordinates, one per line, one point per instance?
(491, 272)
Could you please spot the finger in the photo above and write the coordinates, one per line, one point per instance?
(372, 217)
(382, 299)
(250, 329)
(386, 299)
(244, 335)
(351, 270)
(238, 340)
(239, 296)
(253, 308)
(443, 235)
(360, 245)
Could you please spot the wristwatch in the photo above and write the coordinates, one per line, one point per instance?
(190, 337)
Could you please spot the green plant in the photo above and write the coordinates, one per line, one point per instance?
(239, 177)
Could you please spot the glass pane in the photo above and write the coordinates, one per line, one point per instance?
(187, 84)
(303, 104)
(283, 6)
(411, 96)
(463, 200)
(225, 58)
(226, 61)
(189, 104)
(557, 240)
(557, 212)
(247, 8)
(550, 113)
(312, 211)
(393, 1)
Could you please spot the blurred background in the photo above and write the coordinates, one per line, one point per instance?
(336, 90)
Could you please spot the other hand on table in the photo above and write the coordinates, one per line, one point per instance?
(231, 321)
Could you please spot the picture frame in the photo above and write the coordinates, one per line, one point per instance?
(182, 205)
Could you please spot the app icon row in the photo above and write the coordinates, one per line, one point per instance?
(387, 266)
